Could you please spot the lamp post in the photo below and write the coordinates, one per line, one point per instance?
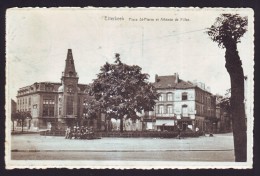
(85, 114)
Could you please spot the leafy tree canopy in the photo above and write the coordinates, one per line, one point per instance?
(122, 90)
(224, 103)
(22, 115)
(228, 28)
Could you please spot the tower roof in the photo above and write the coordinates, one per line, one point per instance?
(70, 70)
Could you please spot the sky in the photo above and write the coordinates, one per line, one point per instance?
(37, 40)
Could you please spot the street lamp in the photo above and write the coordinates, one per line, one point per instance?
(85, 115)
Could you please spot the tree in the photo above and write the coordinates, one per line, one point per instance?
(224, 104)
(23, 115)
(14, 117)
(121, 90)
(227, 32)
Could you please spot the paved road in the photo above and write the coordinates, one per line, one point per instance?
(33, 146)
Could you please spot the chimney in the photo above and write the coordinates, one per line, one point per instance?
(176, 77)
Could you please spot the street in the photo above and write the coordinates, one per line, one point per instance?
(36, 147)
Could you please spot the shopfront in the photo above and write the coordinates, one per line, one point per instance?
(165, 125)
(185, 124)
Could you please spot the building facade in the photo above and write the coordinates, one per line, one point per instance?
(55, 104)
(13, 106)
(187, 105)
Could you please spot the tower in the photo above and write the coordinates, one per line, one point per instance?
(68, 92)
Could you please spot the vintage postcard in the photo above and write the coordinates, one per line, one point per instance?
(124, 88)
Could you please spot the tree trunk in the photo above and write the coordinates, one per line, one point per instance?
(235, 70)
(13, 125)
(22, 126)
(106, 123)
(121, 125)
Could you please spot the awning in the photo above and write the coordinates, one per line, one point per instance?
(164, 122)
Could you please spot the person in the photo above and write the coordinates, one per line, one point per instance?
(82, 130)
(67, 133)
(74, 132)
(77, 133)
(179, 132)
(91, 133)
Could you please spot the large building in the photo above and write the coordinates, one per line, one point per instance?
(182, 103)
(55, 104)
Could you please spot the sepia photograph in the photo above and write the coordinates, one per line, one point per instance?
(126, 88)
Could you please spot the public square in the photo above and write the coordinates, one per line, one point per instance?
(35, 147)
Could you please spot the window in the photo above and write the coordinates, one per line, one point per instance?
(29, 101)
(70, 73)
(185, 110)
(197, 109)
(169, 109)
(59, 110)
(48, 88)
(184, 96)
(85, 103)
(70, 105)
(161, 97)
(48, 107)
(161, 109)
(169, 97)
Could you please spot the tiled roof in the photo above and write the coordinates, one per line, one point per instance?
(164, 82)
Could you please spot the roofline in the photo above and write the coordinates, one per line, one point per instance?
(195, 87)
(40, 83)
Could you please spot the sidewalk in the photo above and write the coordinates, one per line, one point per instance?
(35, 142)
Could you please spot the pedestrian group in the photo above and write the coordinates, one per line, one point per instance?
(79, 133)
